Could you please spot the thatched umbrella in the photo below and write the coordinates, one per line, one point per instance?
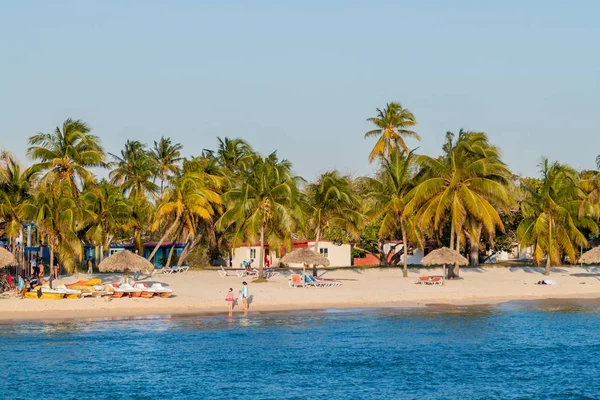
(304, 257)
(126, 260)
(7, 259)
(591, 256)
(444, 256)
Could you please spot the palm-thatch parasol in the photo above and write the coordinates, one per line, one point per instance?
(304, 257)
(126, 260)
(7, 259)
(591, 256)
(444, 256)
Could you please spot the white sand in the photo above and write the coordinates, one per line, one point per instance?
(204, 292)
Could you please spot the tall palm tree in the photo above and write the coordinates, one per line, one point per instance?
(15, 185)
(168, 158)
(389, 191)
(468, 185)
(67, 153)
(552, 219)
(234, 155)
(184, 205)
(331, 203)
(135, 171)
(392, 127)
(56, 214)
(264, 206)
(105, 212)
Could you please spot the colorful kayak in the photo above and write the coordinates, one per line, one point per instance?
(44, 295)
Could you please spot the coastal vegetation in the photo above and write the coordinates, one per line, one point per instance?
(466, 198)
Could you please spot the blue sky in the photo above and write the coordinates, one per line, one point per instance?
(301, 77)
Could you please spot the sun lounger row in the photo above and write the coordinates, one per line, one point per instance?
(311, 281)
(430, 280)
(268, 273)
(173, 270)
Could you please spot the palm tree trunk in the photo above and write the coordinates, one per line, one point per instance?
(163, 238)
(405, 249)
(317, 239)
(474, 239)
(547, 270)
(451, 236)
(168, 264)
(137, 239)
(261, 252)
(51, 258)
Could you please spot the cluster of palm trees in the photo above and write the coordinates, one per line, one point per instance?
(233, 194)
(469, 191)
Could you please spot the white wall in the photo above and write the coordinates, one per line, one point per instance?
(338, 256)
(240, 254)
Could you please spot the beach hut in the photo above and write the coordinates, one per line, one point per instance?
(7, 259)
(305, 257)
(443, 257)
(126, 261)
(591, 256)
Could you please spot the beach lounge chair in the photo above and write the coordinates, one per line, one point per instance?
(437, 280)
(423, 280)
(222, 272)
(179, 268)
(328, 282)
(296, 281)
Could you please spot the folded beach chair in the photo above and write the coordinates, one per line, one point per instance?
(296, 281)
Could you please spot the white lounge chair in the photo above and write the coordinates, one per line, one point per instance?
(179, 268)
(222, 272)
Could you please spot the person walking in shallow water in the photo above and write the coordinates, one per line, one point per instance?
(244, 294)
(230, 299)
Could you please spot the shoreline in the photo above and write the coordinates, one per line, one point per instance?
(203, 293)
(169, 312)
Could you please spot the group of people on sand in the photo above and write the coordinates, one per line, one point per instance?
(243, 295)
(37, 268)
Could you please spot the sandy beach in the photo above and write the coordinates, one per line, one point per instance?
(204, 292)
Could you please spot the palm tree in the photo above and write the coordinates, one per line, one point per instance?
(105, 212)
(14, 191)
(56, 215)
(264, 206)
(392, 123)
(389, 192)
(184, 205)
(67, 153)
(168, 158)
(551, 220)
(135, 171)
(234, 155)
(468, 185)
(331, 203)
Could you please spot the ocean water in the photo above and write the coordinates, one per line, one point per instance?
(542, 350)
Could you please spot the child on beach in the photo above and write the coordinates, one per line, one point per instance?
(230, 299)
(244, 294)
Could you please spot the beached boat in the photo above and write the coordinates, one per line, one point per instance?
(89, 282)
(45, 294)
(130, 290)
(162, 291)
(69, 293)
(147, 292)
(114, 290)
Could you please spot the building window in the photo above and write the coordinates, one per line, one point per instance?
(324, 252)
(252, 253)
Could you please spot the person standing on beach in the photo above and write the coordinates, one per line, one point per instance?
(230, 299)
(33, 264)
(41, 269)
(90, 264)
(244, 294)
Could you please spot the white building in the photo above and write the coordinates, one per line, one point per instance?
(338, 255)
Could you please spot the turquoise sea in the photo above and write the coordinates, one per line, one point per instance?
(519, 350)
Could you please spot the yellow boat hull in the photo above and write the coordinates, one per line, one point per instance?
(73, 296)
(44, 296)
(92, 282)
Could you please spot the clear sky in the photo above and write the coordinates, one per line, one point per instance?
(302, 76)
